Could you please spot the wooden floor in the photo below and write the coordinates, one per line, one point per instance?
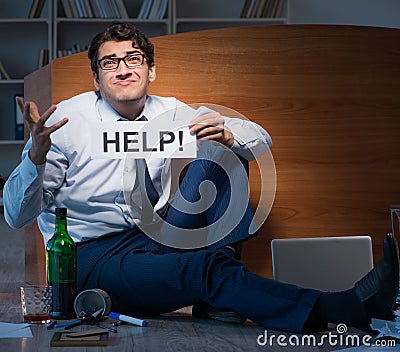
(174, 332)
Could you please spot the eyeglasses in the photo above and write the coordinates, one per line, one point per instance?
(112, 63)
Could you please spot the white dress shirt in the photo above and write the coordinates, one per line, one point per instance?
(93, 189)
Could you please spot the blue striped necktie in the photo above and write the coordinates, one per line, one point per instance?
(149, 194)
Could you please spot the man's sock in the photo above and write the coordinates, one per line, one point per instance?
(373, 296)
(340, 307)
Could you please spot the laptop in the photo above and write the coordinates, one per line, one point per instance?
(323, 263)
(395, 220)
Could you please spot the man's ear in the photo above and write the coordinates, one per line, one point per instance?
(96, 81)
(152, 73)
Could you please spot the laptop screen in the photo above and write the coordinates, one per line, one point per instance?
(395, 219)
(323, 263)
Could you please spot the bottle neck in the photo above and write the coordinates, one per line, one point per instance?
(61, 224)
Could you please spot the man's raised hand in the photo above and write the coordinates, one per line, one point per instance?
(40, 133)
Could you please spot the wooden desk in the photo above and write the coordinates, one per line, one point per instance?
(329, 97)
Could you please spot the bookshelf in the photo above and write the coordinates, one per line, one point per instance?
(193, 15)
(30, 41)
(22, 37)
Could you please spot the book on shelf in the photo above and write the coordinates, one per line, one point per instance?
(98, 9)
(144, 9)
(67, 8)
(94, 9)
(43, 57)
(274, 10)
(259, 8)
(162, 9)
(245, 8)
(32, 10)
(76, 48)
(262, 9)
(106, 9)
(249, 8)
(114, 11)
(3, 72)
(88, 8)
(279, 8)
(153, 9)
(19, 119)
(266, 11)
(36, 8)
(74, 8)
(82, 11)
(122, 9)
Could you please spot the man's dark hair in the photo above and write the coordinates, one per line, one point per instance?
(119, 32)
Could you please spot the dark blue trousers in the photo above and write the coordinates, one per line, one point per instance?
(144, 277)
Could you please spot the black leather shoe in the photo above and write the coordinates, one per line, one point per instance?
(378, 289)
(205, 311)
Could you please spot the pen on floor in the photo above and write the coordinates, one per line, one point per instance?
(128, 319)
(101, 326)
(73, 324)
(88, 307)
(51, 324)
(69, 323)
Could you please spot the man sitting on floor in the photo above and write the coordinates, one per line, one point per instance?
(142, 275)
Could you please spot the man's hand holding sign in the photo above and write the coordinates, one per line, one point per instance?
(211, 126)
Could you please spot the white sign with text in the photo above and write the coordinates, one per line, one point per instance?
(139, 139)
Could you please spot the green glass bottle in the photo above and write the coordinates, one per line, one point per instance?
(61, 268)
